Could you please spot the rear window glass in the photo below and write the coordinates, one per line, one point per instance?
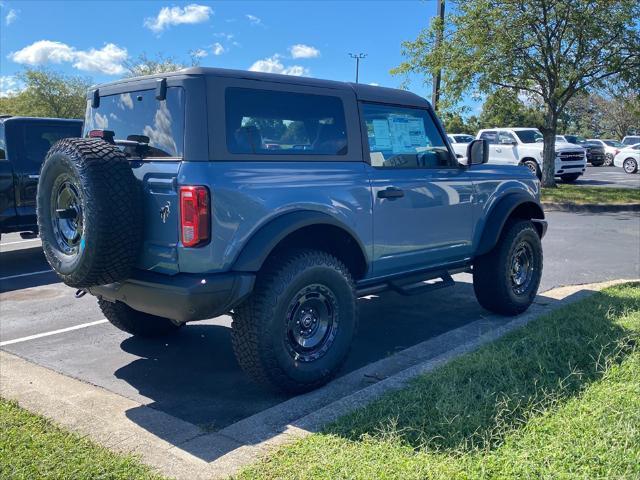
(267, 122)
(30, 142)
(139, 117)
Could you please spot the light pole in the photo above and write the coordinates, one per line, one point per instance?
(358, 57)
(437, 75)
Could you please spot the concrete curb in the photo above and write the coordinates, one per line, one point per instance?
(182, 450)
(590, 207)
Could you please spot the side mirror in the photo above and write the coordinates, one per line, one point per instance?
(477, 152)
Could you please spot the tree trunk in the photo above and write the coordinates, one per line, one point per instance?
(549, 151)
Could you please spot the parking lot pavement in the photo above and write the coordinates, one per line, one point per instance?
(193, 375)
(608, 177)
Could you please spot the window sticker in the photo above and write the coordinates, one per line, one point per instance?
(407, 133)
(381, 135)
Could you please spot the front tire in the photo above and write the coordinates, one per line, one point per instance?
(137, 323)
(570, 178)
(608, 160)
(533, 168)
(630, 165)
(295, 330)
(506, 279)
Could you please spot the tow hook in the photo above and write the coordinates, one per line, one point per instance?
(81, 292)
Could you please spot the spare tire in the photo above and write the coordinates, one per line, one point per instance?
(89, 212)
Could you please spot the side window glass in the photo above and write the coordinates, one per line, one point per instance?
(505, 138)
(404, 138)
(268, 122)
(490, 137)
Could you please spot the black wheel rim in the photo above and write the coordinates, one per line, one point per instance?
(312, 323)
(522, 268)
(66, 216)
(629, 166)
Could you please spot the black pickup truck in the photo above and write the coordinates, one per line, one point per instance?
(24, 142)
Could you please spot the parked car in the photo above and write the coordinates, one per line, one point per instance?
(459, 142)
(523, 146)
(631, 140)
(192, 216)
(595, 151)
(611, 148)
(24, 142)
(628, 158)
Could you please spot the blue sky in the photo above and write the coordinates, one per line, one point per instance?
(306, 37)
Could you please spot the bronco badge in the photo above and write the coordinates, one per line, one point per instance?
(165, 211)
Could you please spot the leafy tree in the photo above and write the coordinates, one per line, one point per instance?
(503, 108)
(549, 49)
(454, 123)
(145, 65)
(48, 93)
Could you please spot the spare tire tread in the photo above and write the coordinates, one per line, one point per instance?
(111, 209)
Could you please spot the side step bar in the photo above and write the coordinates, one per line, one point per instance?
(412, 285)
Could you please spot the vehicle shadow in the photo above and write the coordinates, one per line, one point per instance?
(193, 375)
(21, 268)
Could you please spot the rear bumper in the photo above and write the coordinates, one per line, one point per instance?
(183, 297)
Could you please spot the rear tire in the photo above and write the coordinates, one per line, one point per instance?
(136, 323)
(506, 279)
(295, 330)
(630, 165)
(570, 178)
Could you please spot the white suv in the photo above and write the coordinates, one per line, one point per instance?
(523, 146)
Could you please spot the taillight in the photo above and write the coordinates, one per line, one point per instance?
(194, 216)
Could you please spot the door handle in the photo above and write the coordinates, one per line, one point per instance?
(391, 193)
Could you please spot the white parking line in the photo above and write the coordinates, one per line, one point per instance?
(53, 332)
(11, 277)
(20, 241)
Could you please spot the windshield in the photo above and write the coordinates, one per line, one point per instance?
(613, 143)
(139, 117)
(575, 139)
(630, 140)
(529, 136)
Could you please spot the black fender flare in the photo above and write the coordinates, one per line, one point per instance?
(261, 243)
(500, 213)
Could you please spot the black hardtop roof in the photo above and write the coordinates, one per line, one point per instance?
(39, 120)
(363, 92)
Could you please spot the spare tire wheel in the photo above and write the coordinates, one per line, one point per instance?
(89, 212)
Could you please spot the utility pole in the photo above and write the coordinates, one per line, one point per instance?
(437, 76)
(358, 57)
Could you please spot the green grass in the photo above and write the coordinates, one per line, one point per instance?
(31, 447)
(596, 195)
(559, 398)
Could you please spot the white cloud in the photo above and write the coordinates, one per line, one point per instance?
(217, 48)
(374, 84)
(43, 51)
(11, 17)
(169, 16)
(274, 65)
(253, 19)
(9, 85)
(304, 51)
(107, 60)
(199, 53)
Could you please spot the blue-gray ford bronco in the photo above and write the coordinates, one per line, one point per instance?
(279, 200)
